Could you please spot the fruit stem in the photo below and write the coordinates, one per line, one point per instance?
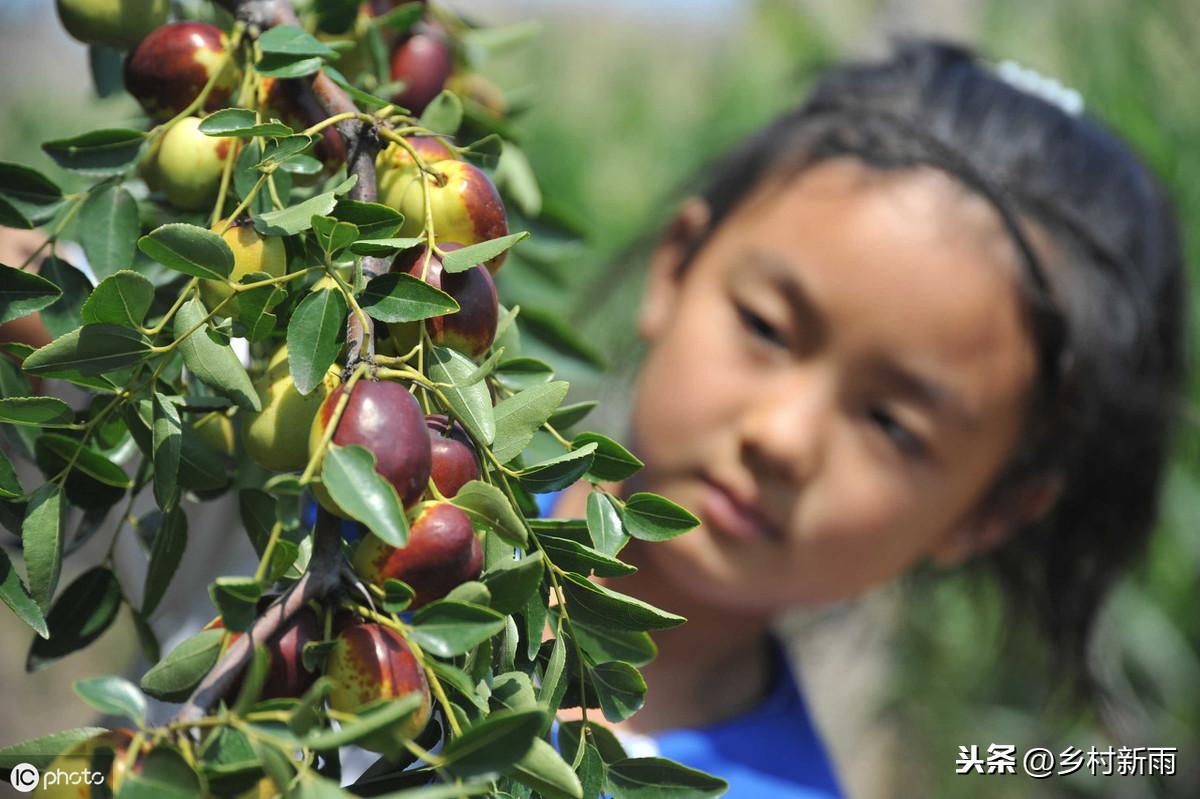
(76, 204)
(439, 692)
(273, 281)
(245, 203)
(334, 419)
(170, 314)
(335, 119)
(261, 572)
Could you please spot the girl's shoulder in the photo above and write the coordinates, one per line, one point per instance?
(770, 752)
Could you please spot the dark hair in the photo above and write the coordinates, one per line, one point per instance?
(1106, 316)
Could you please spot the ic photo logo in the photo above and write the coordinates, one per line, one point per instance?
(24, 777)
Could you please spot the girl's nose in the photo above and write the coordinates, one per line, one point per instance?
(786, 425)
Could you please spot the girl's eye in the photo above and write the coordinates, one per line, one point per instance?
(898, 434)
(760, 327)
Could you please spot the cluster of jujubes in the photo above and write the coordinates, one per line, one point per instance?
(179, 71)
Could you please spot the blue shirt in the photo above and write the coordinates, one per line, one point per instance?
(770, 752)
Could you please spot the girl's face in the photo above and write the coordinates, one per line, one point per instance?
(833, 384)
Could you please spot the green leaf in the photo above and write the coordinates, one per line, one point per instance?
(550, 692)
(291, 40)
(613, 462)
(62, 316)
(297, 218)
(14, 594)
(397, 595)
(122, 298)
(280, 150)
(357, 94)
(301, 165)
(470, 404)
(164, 775)
(10, 485)
(42, 542)
(274, 65)
(115, 696)
(109, 226)
(88, 461)
(447, 628)
(577, 557)
(35, 411)
(515, 178)
(254, 306)
(241, 123)
(236, 600)
(443, 114)
(523, 372)
(173, 678)
(313, 337)
(90, 350)
(607, 745)
(167, 443)
(189, 249)
(28, 190)
(82, 613)
(558, 472)
(399, 297)
(22, 293)
(493, 743)
(333, 236)
(522, 415)
(383, 246)
(349, 476)
(591, 771)
(597, 605)
(604, 643)
(542, 769)
(650, 517)
(513, 690)
(604, 524)
(40, 752)
(511, 583)
(373, 220)
(100, 153)
(105, 66)
(487, 504)
(658, 778)
(467, 257)
(215, 364)
(381, 716)
(473, 592)
(147, 640)
(620, 689)
(550, 328)
(10, 216)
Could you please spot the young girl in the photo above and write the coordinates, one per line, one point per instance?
(927, 316)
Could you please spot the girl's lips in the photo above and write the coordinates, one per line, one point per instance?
(724, 512)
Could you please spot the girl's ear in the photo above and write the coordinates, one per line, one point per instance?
(991, 527)
(667, 264)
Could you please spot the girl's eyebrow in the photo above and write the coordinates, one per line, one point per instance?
(781, 273)
(927, 392)
(913, 385)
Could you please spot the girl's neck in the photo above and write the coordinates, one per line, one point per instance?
(712, 668)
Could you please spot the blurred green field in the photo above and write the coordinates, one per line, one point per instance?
(629, 107)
